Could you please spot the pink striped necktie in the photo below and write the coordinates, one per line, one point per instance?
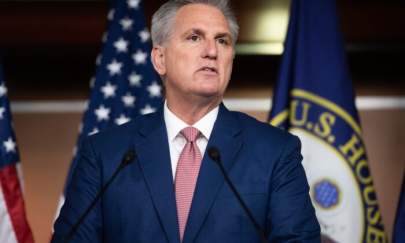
(186, 176)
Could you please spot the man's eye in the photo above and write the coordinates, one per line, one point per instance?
(223, 41)
(194, 38)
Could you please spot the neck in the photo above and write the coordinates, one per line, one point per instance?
(191, 112)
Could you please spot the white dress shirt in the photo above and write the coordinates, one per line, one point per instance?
(176, 140)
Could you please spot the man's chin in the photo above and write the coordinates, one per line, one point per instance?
(208, 89)
(209, 93)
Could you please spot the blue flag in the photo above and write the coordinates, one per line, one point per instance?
(314, 99)
(14, 227)
(399, 228)
(125, 84)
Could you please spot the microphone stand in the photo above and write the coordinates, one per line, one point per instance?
(215, 156)
(126, 160)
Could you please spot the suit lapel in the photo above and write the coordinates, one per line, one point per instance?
(154, 159)
(227, 138)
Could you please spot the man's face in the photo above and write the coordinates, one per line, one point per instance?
(196, 60)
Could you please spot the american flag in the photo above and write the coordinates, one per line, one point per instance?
(14, 226)
(125, 84)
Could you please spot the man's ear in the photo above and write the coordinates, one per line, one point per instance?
(158, 60)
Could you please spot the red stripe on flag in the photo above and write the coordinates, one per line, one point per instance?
(10, 185)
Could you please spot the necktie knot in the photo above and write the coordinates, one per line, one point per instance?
(190, 134)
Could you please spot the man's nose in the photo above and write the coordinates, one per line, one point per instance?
(210, 49)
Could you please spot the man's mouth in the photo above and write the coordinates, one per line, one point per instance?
(209, 69)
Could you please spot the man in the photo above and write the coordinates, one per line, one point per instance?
(173, 191)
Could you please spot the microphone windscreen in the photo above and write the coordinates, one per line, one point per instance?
(129, 157)
(213, 152)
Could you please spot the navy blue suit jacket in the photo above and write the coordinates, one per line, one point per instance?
(139, 206)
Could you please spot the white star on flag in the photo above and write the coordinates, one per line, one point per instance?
(147, 109)
(139, 57)
(9, 145)
(75, 151)
(114, 67)
(135, 79)
(154, 90)
(121, 45)
(94, 131)
(102, 113)
(86, 104)
(98, 59)
(3, 90)
(144, 35)
(92, 82)
(2, 110)
(108, 90)
(126, 23)
(133, 4)
(80, 129)
(122, 119)
(104, 37)
(110, 15)
(128, 100)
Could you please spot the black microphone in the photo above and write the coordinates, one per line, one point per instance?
(214, 154)
(127, 159)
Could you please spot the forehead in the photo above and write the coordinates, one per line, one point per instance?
(200, 16)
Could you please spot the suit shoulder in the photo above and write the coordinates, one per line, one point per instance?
(262, 130)
(119, 134)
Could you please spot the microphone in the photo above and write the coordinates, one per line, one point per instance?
(127, 159)
(214, 154)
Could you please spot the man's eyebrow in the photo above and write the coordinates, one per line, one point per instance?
(195, 31)
(224, 34)
(201, 32)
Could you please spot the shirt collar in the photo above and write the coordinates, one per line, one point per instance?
(174, 124)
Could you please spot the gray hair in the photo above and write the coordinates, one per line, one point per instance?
(163, 18)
